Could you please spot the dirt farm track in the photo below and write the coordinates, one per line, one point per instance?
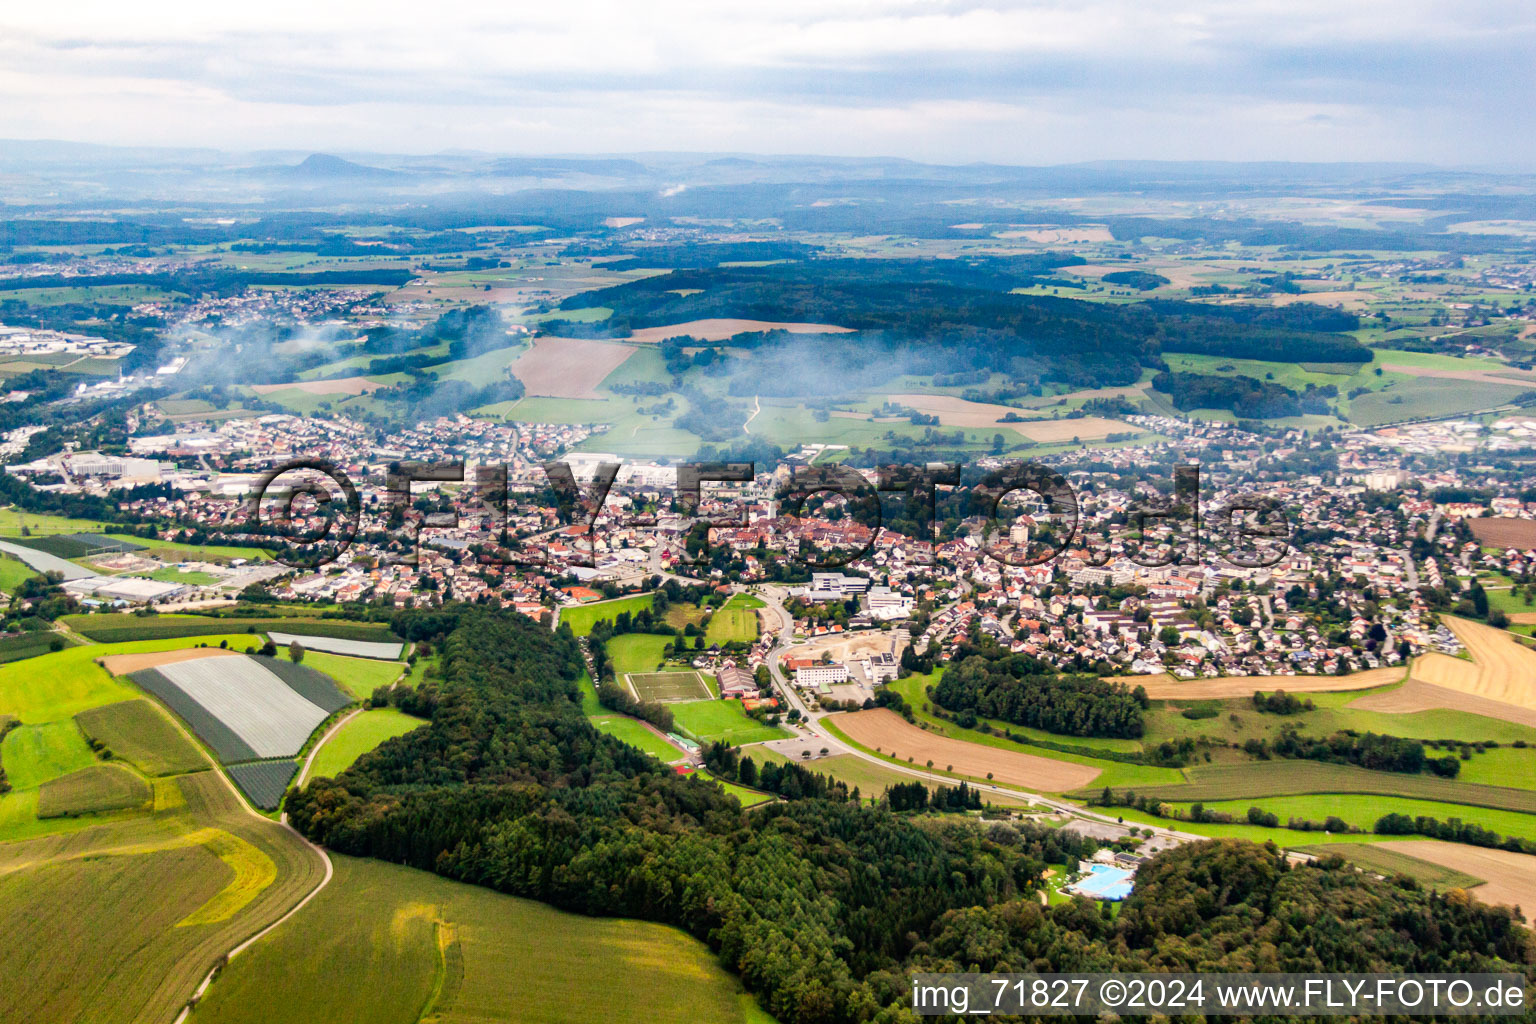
(122, 664)
(894, 735)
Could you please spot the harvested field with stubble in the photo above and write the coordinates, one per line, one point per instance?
(1417, 695)
(1511, 876)
(889, 733)
(1166, 687)
(1502, 669)
(568, 367)
(123, 664)
(340, 386)
(1502, 532)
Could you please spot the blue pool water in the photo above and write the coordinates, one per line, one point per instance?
(1106, 882)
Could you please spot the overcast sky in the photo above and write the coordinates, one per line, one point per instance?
(952, 82)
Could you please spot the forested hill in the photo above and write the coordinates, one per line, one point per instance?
(824, 908)
(950, 316)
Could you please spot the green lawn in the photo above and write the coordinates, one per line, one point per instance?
(734, 621)
(13, 573)
(637, 652)
(707, 720)
(358, 676)
(361, 734)
(635, 733)
(747, 797)
(413, 946)
(582, 617)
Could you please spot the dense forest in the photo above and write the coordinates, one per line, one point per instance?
(1019, 689)
(954, 317)
(824, 907)
(1245, 396)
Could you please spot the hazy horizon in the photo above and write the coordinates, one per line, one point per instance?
(1029, 84)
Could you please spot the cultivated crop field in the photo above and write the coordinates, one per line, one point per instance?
(392, 945)
(1418, 696)
(217, 872)
(1362, 811)
(358, 676)
(892, 735)
(92, 790)
(117, 628)
(139, 733)
(667, 687)
(1503, 532)
(1387, 859)
(240, 708)
(1511, 877)
(264, 782)
(568, 367)
(385, 651)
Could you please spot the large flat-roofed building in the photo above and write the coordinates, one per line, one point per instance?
(817, 675)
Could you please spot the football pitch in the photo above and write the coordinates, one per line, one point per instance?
(667, 687)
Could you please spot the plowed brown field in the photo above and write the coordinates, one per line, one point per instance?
(894, 735)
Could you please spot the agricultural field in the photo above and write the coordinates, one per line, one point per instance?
(637, 734)
(1397, 859)
(117, 627)
(582, 617)
(870, 779)
(243, 708)
(264, 782)
(13, 573)
(708, 720)
(412, 946)
(1164, 687)
(35, 754)
(1256, 780)
(1510, 877)
(667, 687)
(92, 790)
(360, 734)
(218, 872)
(138, 732)
(357, 676)
(318, 641)
(1362, 811)
(889, 734)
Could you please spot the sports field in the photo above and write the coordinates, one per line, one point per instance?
(359, 735)
(708, 720)
(667, 687)
(734, 622)
(385, 944)
(638, 652)
(637, 734)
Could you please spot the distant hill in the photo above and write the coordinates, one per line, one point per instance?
(324, 167)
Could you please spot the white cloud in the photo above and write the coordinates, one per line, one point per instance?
(1018, 81)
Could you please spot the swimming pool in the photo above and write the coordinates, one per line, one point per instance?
(1105, 882)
